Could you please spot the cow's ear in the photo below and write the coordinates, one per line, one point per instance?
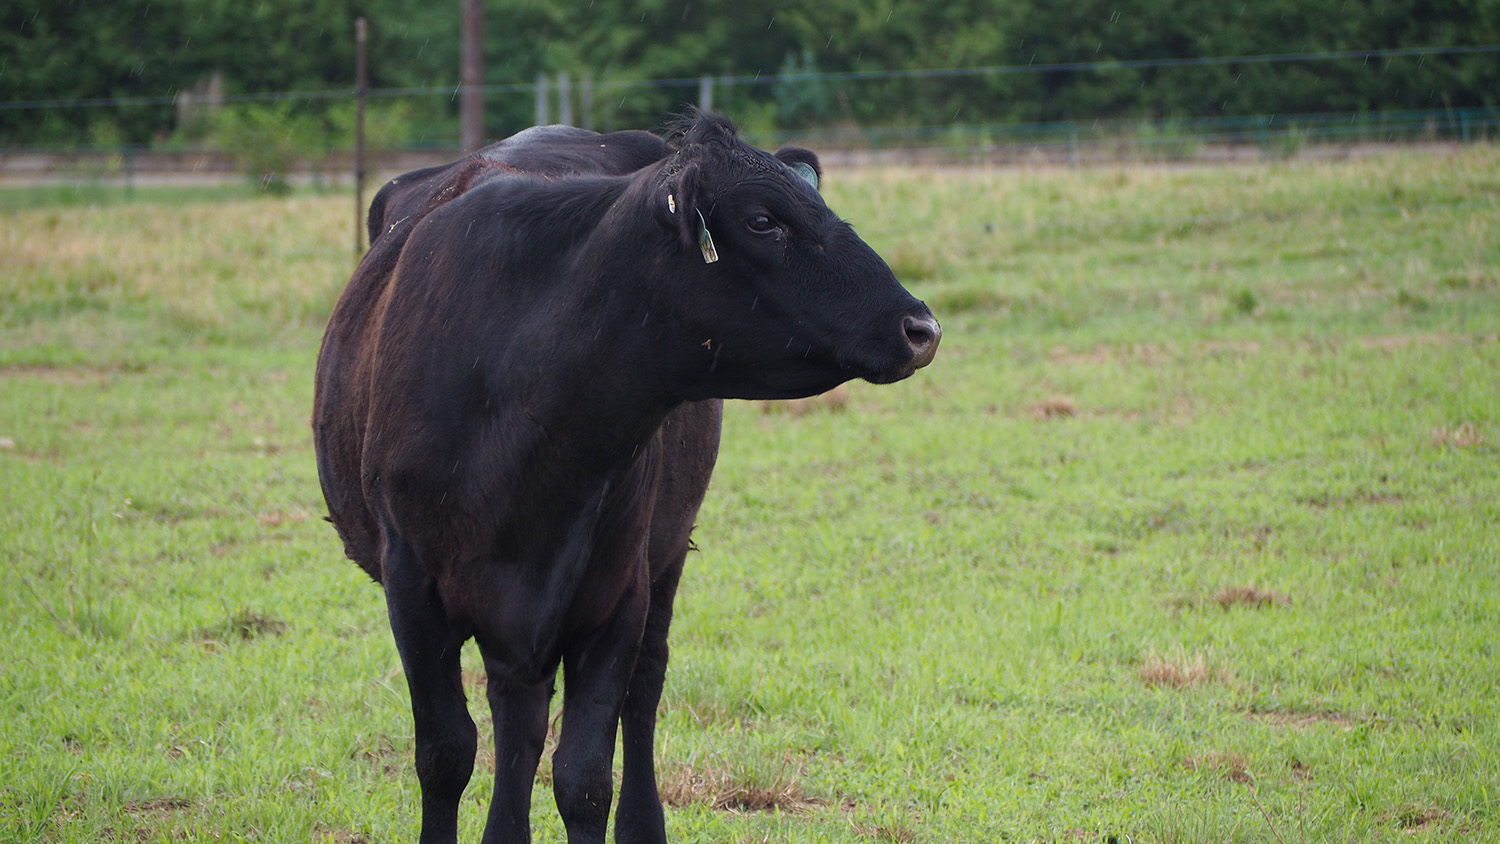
(804, 162)
(680, 208)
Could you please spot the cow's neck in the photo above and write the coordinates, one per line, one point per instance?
(590, 397)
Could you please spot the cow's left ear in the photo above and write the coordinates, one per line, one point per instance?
(804, 163)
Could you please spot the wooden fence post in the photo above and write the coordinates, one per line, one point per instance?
(361, 88)
(471, 76)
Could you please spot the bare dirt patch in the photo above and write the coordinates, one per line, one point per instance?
(157, 806)
(333, 835)
(1417, 819)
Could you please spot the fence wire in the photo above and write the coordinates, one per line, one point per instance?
(760, 102)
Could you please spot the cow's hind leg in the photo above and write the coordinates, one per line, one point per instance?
(596, 675)
(640, 819)
(430, 650)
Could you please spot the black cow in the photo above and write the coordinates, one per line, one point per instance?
(518, 409)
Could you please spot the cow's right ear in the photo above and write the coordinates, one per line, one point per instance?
(680, 209)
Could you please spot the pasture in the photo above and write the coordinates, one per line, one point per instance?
(1188, 535)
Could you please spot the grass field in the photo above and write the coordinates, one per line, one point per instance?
(1188, 535)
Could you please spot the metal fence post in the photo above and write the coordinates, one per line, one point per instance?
(586, 102)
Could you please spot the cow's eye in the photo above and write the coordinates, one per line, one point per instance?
(761, 224)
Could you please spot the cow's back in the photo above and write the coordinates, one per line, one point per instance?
(551, 152)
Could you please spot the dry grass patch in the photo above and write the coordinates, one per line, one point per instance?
(244, 625)
(1055, 407)
(383, 754)
(1250, 596)
(1303, 720)
(1466, 435)
(736, 788)
(277, 518)
(1180, 670)
(72, 376)
(1231, 766)
(174, 254)
(893, 833)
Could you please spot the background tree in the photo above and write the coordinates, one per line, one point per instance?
(71, 50)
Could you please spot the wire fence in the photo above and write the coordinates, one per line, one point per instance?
(830, 112)
(1072, 143)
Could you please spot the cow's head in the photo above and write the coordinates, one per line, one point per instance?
(788, 300)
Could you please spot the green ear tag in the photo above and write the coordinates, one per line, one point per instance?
(806, 171)
(706, 241)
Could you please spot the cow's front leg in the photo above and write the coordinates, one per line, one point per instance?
(520, 713)
(430, 650)
(595, 678)
(639, 819)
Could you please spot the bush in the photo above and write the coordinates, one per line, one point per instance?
(266, 140)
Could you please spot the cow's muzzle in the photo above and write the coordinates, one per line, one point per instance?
(923, 334)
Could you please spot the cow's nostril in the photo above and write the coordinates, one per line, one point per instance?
(923, 333)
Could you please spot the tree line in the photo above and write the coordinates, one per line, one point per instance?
(66, 51)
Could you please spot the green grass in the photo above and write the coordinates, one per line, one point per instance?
(88, 191)
(1187, 535)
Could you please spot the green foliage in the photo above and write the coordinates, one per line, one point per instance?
(1186, 536)
(387, 125)
(73, 50)
(266, 140)
(1167, 139)
(269, 140)
(802, 97)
